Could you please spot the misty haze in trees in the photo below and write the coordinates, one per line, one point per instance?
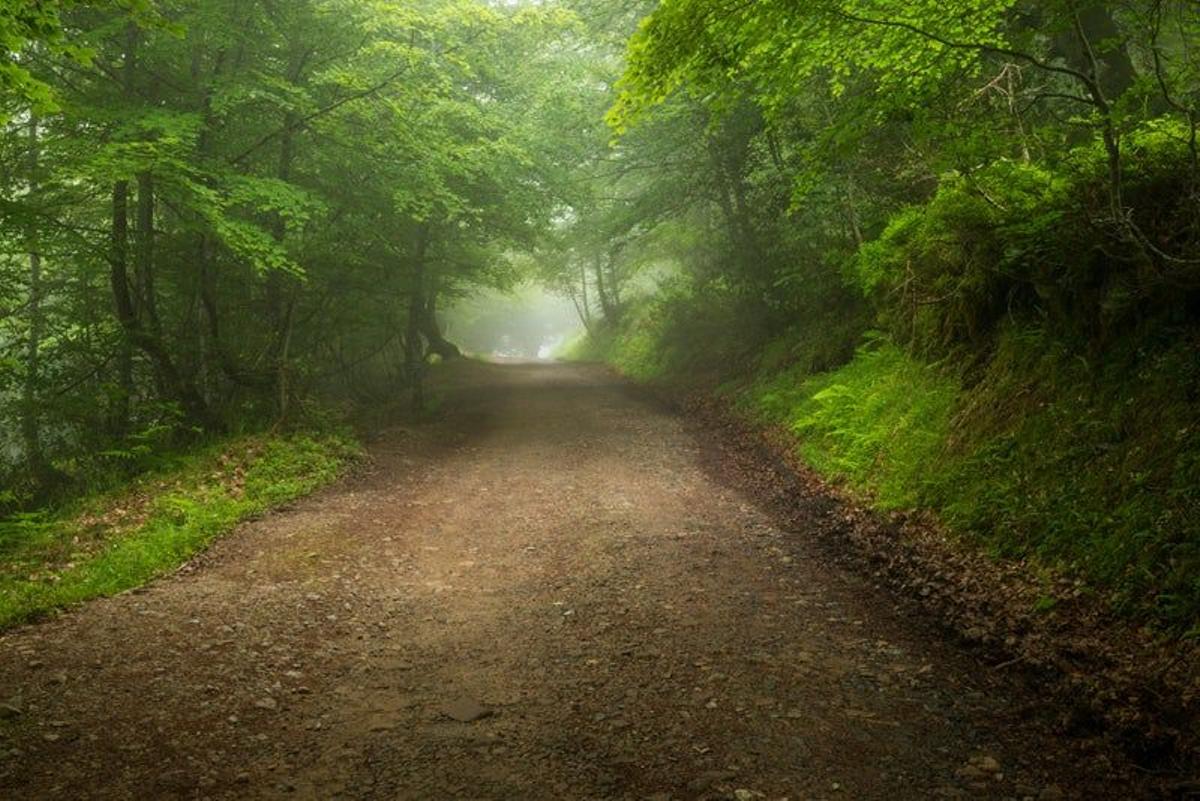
(526, 323)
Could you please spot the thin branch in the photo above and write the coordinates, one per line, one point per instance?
(982, 47)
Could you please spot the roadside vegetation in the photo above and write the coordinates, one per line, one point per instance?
(113, 541)
(955, 257)
(1036, 433)
(227, 217)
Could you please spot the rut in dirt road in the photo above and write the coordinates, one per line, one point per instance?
(552, 564)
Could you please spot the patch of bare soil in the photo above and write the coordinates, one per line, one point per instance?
(549, 594)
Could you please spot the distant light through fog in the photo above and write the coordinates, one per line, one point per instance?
(528, 323)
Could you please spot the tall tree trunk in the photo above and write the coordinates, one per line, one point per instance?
(614, 285)
(130, 314)
(31, 427)
(147, 302)
(211, 350)
(283, 380)
(731, 197)
(285, 289)
(226, 362)
(414, 359)
(281, 291)
(432, 331)
(580, 299)
(587, 306)
(121, 409)
(414, 347)
(612, 312)
(118, 259)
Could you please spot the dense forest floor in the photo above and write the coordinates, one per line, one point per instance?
(553, 592)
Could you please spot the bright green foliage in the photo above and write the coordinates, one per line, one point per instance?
(770, 46)
(680, 335)
(1044, 457)
(1012, 238)
(234, 207)
(1091, 467)
(879, 423)
(108, 544)
(25, 26)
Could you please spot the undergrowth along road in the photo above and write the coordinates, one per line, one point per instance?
(119, 540)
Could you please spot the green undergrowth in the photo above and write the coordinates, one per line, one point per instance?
(676, 336)
(1094, 470)
(1087, 466)
(108, 543)
(876, 423)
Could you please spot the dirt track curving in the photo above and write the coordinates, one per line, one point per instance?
(555, 565)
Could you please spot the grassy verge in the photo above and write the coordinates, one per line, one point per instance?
(106, 544)
(1088, 467)
(878, 423)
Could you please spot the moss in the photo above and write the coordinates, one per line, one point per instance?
(1089, 467)
(1036, 383)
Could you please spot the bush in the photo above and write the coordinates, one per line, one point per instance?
(683, 335)
(1093, 468)
(1036, 383)
(1012, 241)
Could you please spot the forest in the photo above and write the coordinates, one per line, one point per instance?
(943, 258)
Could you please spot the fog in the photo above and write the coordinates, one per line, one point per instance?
(528, 323)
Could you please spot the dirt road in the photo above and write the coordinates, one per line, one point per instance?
(554, 563)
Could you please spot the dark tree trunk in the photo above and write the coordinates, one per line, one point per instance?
(731, 197)
(170, 381)
(118, 258)
(612, 312)
(144, 258)
(414, 345)
(586, 314)
(131, 315)
(414, 360)
(31, 425)
(226, 362)
(580, 299)
(433, 332)
(281, 289)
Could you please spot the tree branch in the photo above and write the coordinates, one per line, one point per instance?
(982, 47)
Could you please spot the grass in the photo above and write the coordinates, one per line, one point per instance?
(106, 544)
